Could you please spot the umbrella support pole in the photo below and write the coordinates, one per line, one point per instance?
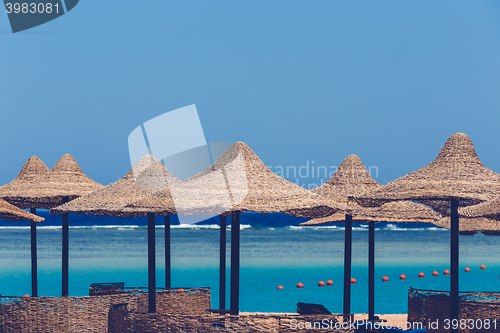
(454, 264)
(65, 254)
(34, 266)
(347, 264)
(371, 271)
(151, 264)
(235, 263)
(222, 264)
(168, 271)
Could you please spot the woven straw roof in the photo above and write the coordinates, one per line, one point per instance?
(32, 169)
(489, 209)
(456, 173)
(12, 213)
(352, 178)
(239, 180)
(471, 224)
(65, 179)
(400, 211)
(147, 176)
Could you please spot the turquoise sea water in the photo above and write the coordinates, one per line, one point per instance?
(274, 251)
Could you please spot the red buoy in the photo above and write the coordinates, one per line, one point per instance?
(435, 273)
(321, 283)
(467, 269)
(385, 279)
(446, 272)
(26, 296)
(402, 277)
(180, 289)
(483, 267)
(421, 275)
(281, 287)
(353, 280)
(300, 285)
(329, 282)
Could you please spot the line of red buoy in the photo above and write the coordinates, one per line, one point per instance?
(385, 278)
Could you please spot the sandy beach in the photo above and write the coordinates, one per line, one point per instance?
(394, 319)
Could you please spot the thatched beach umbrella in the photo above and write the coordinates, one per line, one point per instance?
(392, 212)
(352, 177)
(248, 184)
(239, 181)
(64, 182)
(12, 213)
(32, 169)
(456, 177)
(470, 225)
(147, 176)
(489, 209)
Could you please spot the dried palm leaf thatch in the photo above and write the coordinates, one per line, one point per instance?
(396, 212)
(148, 175)
(12, 213)
(32, 169)
(489, 209)
(64, 180)
(352, 178)
(456, 173)
(240, 181)
(471, 224)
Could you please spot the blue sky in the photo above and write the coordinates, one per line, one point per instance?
(297, 81)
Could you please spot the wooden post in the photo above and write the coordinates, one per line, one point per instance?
(347, 264)
(371, 271)
(235, 263)
(34, 269)
(151, 264)
(454, 258)
(168, 272)
(222, 264)
(65, 251)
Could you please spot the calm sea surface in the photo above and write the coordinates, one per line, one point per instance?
(274, 251)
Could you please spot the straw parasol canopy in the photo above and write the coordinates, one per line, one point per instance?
(489, 209)
(456, 173)
(389, 212)
(455, 178)
(32, 169)
(471, 224)
(147, 176)
(65, 180)
(352, 178)
(13, 213)
(240, 181)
